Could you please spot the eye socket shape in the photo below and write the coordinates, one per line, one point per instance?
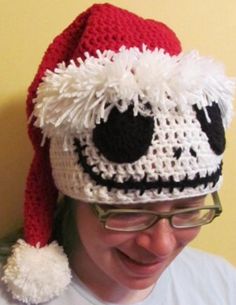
(214, 129)
(124, 138)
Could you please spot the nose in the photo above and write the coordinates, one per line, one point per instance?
(159, 240)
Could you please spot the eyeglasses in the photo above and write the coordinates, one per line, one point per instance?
(132, 220)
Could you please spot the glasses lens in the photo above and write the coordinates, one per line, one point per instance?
(193, 218)
(129, 221)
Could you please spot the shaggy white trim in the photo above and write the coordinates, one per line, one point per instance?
(75, 97)
(35, 275)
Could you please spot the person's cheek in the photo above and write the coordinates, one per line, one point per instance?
(185, 236)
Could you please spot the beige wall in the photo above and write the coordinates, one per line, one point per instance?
(27, 27)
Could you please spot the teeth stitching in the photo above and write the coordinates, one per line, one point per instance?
(160, 180)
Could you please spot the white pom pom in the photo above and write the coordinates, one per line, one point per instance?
(35, 275)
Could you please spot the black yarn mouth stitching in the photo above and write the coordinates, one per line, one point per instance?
(144, 185)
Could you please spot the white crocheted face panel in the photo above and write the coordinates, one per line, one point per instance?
(182, 103)
(172, 174)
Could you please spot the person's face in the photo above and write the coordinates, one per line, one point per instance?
(134, 260)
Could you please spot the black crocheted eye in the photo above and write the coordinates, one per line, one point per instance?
(124, 138)
(213, 129)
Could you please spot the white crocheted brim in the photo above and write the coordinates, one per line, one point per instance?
(177, 92)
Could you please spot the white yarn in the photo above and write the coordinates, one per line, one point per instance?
(78, 96)
(35, 275)
(182, 130)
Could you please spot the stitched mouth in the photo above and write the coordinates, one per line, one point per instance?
(143, 184)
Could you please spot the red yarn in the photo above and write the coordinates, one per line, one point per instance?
(41, 193)
(101, 27)
(108, 28)
(40, 199)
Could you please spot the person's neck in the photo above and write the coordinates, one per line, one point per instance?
(103, 287)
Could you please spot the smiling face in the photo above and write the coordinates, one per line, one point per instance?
(139, 158)
(129, 260)
(136, 125)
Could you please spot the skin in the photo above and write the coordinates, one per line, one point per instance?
(128, 263)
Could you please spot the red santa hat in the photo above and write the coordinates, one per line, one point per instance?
(102, 36)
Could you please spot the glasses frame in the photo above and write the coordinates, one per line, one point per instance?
(103, 215)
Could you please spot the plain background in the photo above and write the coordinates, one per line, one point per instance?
(26, 29)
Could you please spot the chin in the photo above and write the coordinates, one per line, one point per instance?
(140, 283)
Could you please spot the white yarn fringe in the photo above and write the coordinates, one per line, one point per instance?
(78, 96)
(35, 275)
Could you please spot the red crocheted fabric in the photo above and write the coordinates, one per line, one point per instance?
(101, 27)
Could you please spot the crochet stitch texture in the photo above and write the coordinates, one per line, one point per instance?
(117, 114)
(101, 27)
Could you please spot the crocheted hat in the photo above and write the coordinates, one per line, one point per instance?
(118, 114)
